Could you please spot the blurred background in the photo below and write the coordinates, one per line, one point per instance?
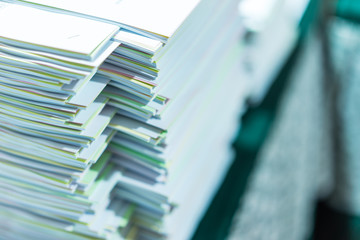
(297, 169)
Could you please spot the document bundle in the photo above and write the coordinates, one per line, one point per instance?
(116, 117)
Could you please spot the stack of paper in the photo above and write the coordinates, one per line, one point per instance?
(272, 28)
(55, 178)
(157, 81)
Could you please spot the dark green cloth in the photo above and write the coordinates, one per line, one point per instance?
(349, 9)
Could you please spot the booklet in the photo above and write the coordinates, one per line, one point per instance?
(57, 33)
(157, 18)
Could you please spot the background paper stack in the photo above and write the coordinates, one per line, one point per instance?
(159, 82)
